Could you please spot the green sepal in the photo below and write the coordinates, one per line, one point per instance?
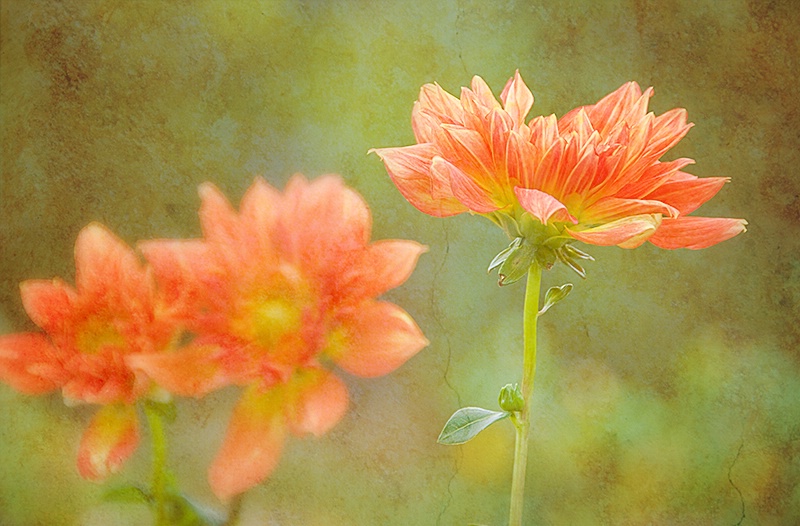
(183, 512)
(511, 399)
(127, 494)
(466, 423)
(554, 295)
(516, 265)
(500, 258)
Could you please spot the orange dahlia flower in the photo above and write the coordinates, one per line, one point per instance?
(275, 294)
(593, 175)
(110, 314)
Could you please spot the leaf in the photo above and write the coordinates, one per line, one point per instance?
(127, 494)
(554, 295)
(466, 423)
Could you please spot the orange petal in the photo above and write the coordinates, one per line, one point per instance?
(195, 370)
(467, 191)
(28, 363)
(626, 232)
(112, 437)
(378, 338)
(321, 402)
(517, 99)
(696, 232)
(382, 266)
(410, 167)
(218, 218)
(542, 206)
(185, 270)
(106, 267)
(611, 208)
(49, 303)
(688, 194)
(252, 445)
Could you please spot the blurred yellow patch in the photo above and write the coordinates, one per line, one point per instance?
(488, 458)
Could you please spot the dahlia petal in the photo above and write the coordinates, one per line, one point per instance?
(25, 361)
(610, 208)
(382, 266)
(105, 265)
(380, 337)
(687, 194)
(110, 439)
(49, 303)
(259, 208)
(252, 445)
(517, 99)
(185, 271)
(321, 403)
(480, 99)
(628, 229)
(471, 151)
(543, 206)
(217, 217)
(696, 232)
(465, 189)
(194, 370)
(520, 158)
(409, 168)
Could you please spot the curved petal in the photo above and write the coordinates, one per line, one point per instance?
(185, 271)
(321, 402)
(410, 170)
(542, 206)
(110, 439)
(28, 363)
(627, 232)
(382, 266)
(378, 337)
(195, 370)
(49, 303)
(106, 267)
(252, 445)
(611, 208)
(218, 219)
(688, 194)
(467, 191)
(517, 99)
(335, 220)
(696, 232)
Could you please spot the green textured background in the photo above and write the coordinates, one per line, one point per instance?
(668, 382)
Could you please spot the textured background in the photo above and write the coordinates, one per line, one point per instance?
(668, 382)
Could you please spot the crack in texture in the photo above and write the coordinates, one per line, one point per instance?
(437, 317)
(730, 481)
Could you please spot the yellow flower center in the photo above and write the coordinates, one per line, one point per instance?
(97, 333)
(270, 319)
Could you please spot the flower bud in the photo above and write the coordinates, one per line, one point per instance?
(511, 399)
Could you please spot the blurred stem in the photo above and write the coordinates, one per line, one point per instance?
(522, 420)
(234, 510)
(159, 488)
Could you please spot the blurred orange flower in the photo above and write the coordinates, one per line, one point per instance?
(89, 330)
(273, 294)
(593, 175)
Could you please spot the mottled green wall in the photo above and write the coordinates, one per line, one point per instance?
(668, 382)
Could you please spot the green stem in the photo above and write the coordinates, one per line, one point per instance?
(234, 510)
(159, 489)
(522, 420)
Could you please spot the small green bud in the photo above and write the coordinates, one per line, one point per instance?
(511, 399)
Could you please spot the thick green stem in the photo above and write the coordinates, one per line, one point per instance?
(522, 421)
(159, 440)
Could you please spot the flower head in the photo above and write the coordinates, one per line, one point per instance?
(593, 175)
(89, 330)
(275, 293)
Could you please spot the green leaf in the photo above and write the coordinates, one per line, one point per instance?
(554, 295)
(516, 265)
(466, 423)
(127, 494)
